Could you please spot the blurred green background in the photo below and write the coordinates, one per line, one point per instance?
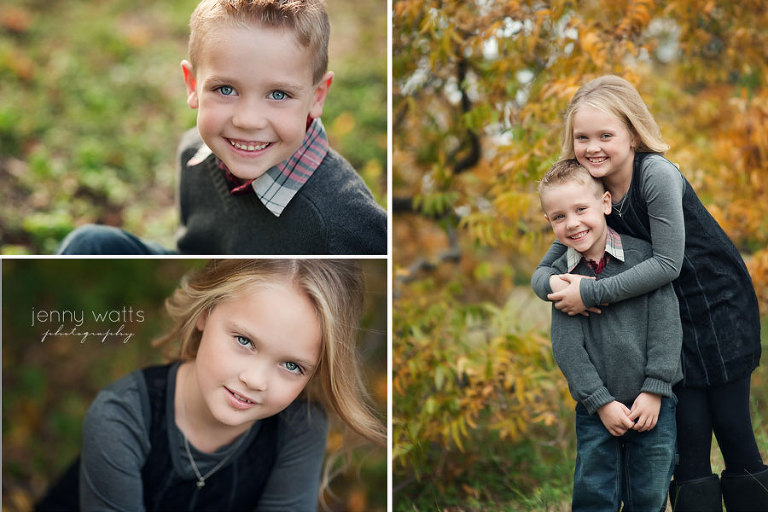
(92, 107)
(48, 385)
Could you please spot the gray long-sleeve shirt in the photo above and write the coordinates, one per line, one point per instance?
(718, 305)
(116, 444)
(632, 347)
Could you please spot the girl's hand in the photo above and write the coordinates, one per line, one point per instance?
(615, 418)
(568, 300)
(645, 410)
(557, 283)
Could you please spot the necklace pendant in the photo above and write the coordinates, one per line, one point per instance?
(200, 483)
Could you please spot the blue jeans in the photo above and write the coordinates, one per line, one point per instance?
(99, 239)
(634, 469)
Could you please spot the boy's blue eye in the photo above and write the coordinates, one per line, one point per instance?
(226, 90)
(278, 95)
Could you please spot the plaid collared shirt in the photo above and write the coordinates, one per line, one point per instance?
(276, 187)
(612, 247)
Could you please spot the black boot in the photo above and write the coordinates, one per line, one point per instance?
(746, 493)
(698, 495)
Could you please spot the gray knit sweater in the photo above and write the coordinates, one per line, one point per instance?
(333, 213)
(632, 347)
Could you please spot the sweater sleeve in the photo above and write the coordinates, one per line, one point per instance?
(568, 346)
(662, 189)
(540, 278)
(295, 479)
(115, 446)
(664, 342)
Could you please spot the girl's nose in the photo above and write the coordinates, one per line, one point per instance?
(256, 376)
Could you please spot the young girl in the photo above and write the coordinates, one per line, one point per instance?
(610, 131)
(238, 422)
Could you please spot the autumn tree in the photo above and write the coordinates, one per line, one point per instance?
(479, 91)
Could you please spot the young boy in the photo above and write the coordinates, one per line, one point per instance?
(257, 175)
(621, 363)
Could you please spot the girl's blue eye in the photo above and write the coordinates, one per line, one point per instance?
(293, 367)
(278, 95)
(226, 90)
(242, 340)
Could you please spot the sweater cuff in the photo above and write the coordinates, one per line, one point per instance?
(587, 291)
(597, 399)
(657, 387)
(540, 282)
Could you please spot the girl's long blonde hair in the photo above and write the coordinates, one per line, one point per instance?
(616, 96)
(336, 290)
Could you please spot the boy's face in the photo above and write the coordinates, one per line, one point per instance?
(576, 212)
(253, 90)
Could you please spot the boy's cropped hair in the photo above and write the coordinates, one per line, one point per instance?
(564, 171)
(307, 19)
(567, 170)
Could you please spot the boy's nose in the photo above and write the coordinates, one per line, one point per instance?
(249, 116)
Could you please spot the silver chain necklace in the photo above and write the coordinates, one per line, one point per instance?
(200, 478)
(619, 207)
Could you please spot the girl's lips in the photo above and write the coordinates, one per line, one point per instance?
(239, 401)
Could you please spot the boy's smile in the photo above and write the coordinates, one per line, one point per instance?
(253, 90)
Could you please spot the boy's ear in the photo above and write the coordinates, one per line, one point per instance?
(191, 83)
(320, 93)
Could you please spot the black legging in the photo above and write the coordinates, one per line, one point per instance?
(724, 409)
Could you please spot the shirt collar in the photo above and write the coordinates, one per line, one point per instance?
(276, 187)
(612, 246)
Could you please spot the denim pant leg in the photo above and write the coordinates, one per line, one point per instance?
(596, 481)
(649, 459)
(99, 239)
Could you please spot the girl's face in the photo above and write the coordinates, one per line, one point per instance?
(602, 143)
(257, 353)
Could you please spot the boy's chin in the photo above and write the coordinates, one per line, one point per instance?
(246, 175)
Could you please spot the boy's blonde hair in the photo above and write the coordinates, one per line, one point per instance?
(307, 19)
(335, 289)
(616, 96)
(568, 170)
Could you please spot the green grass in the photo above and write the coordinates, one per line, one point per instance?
(92, 105)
